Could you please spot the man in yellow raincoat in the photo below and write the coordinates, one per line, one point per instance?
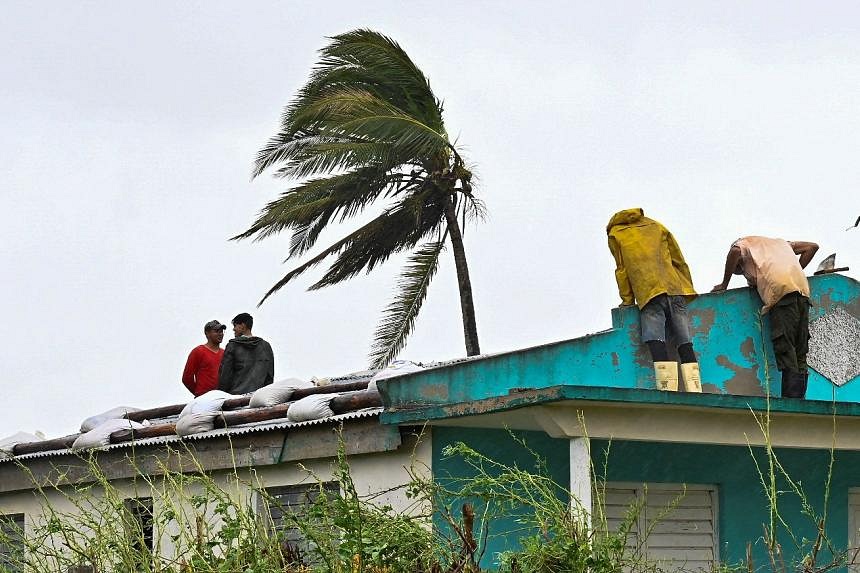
(651, 272)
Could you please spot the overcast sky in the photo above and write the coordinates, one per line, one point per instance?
(129, 130)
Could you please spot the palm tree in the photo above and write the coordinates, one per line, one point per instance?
(367, 130)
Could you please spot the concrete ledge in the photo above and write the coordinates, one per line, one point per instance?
(654, 416)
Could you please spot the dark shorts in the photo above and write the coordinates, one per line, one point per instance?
(665, 315)
(789, 323)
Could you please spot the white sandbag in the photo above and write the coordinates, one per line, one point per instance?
(277, 392)
(209, 402)
(190, 424)
(100, 435)
(200, 413)
(396, 368)
(112, 414)
(7, 443)
(313, 407)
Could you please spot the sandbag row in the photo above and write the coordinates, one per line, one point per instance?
(200, 414)
(310, 402)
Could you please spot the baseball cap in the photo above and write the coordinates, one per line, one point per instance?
(213, 325)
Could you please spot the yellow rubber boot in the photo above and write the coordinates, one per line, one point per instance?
(667, 376)
(692, 377)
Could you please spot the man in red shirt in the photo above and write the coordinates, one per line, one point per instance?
(201, 369)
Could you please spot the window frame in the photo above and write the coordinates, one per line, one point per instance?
(142, 511)
(13, 525)
(309, 493)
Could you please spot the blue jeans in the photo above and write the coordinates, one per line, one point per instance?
(664, 314)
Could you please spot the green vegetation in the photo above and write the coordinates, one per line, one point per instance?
(367, 130)
(777, 484)
(203, 523)
(196, 522)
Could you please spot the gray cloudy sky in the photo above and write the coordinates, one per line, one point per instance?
(129, 130)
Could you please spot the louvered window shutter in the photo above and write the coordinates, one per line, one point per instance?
(680, 524)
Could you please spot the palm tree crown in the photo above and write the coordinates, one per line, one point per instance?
(365, 129)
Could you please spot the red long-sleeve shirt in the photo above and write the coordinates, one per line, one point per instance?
(201, 369)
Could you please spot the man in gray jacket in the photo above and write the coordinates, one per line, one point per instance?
(248, 363)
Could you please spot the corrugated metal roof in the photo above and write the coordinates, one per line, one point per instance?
(267, 426)
(354, 377)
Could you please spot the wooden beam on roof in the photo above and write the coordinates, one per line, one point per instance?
(175, 409)
(44, 445)
(153, 413)
(251, 415)
(330, 389)
(157, 431)
(355, 401)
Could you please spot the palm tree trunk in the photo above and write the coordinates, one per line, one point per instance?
(467, 307)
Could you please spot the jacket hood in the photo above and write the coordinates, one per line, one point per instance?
(625, 217)
(249, 341)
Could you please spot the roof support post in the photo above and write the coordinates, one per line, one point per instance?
(580, 480)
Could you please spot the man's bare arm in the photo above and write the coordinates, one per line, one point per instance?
(805, 250)
(732, 260)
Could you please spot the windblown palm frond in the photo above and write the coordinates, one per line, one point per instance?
(331, 153)
(394, 231)
(367, 128)
(317, 202)
(351, 127)
(398, 319)
(371, 61)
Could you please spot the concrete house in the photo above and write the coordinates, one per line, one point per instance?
(253, 462)
(587, 405)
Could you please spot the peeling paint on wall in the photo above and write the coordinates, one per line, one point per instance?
(703, 321)
(743, 381)
(748, 348)
(730, 337)
(830, 299)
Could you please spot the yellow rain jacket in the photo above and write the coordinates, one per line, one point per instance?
(648, 260)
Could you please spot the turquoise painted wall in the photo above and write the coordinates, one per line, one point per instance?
(730, 336)
(743, 507)
(500, 446)
(742, 504)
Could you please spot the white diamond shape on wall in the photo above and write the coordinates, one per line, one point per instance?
(834, 346)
